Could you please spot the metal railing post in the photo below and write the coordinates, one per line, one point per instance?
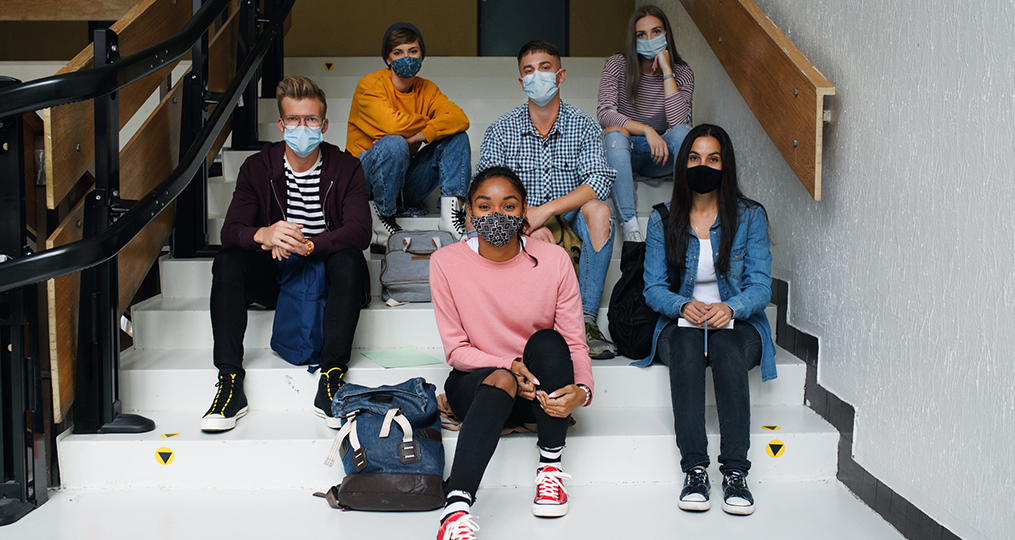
(244, 122)
(273, 66)
(190, 233)
(22, 449)
(97, 401)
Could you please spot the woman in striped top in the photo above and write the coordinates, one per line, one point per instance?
(644, 108)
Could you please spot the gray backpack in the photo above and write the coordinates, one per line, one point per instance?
(405, 270)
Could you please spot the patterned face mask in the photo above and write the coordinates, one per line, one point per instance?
(406, 66)
(497, 229)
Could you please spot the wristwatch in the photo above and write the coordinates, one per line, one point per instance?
(670, 76)
(588, 393)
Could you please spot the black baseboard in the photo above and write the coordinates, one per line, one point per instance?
(909, 520)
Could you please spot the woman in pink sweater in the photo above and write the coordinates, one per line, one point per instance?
(509, 313)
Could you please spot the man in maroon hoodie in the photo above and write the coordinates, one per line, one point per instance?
(301, 196)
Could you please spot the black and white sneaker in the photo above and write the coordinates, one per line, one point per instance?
(736, 497)
(329, 383)
(229, 405)
(384, 227)
(694, 496)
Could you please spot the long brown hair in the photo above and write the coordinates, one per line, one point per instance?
(730, 199)
(632, 60)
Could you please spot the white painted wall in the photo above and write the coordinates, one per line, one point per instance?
(906, 270)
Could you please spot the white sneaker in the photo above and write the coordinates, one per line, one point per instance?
(452, 217)
(384, 227)
(634, 236)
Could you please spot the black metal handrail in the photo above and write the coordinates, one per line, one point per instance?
(89, 252)
(98, 81)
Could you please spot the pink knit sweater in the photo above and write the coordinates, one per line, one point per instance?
(486, 311)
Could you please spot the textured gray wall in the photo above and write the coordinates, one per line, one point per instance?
(906, 269)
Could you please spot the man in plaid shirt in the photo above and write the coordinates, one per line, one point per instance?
(557, 151)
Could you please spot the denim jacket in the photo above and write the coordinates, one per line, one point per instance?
(746, 288)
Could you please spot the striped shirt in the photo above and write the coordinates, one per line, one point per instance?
(651, 107)
(570, 155)
(303, 205)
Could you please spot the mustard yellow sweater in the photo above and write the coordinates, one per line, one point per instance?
(378, 110)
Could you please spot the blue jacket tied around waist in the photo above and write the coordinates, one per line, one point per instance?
(746, 288)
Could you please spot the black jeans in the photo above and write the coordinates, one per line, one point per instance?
(240, 277)
(547, 356)
(731, 353)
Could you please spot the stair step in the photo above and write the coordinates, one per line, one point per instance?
(183, 380)
(785, 511)
(287, 450)
(183, 323)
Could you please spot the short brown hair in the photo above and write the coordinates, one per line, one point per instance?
(298, 87)
(401, 37)
(538, 45)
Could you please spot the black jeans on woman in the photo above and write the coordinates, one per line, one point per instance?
(240, 277)
(731, 353)
(484, 409)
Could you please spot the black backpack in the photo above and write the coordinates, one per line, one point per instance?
(631, 321)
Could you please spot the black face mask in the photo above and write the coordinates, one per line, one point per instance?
(703, 179)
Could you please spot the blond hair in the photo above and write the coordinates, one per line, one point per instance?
(298, 87)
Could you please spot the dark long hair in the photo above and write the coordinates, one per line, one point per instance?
(516, 183)
(632, 61)
(730, 198)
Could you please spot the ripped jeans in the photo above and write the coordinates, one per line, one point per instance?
(630, 155)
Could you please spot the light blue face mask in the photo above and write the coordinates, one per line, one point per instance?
(650, 48)
(407, 66)
(540, 86)
(303, 140)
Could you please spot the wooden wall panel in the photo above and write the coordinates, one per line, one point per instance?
(784, 90)
(70, 129)
(62, 296)
(145, 162)
(64, 10)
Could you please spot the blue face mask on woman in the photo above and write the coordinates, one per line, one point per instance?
(407, 66)
(303, 140)
(540, 86)
(650, 48)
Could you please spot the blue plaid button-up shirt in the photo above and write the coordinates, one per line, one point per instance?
(570, 155)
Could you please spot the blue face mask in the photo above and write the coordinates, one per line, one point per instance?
(407, 66)
(650, 48)
(540, 86)
(303, 140)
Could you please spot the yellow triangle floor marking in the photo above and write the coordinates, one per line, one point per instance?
(164, 456)
(775, 449)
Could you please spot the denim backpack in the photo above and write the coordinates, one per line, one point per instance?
(390, 445)
(297, 334)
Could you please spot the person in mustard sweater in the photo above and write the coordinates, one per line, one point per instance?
(394, 112)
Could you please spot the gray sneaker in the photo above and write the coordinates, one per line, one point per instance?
(599, 348)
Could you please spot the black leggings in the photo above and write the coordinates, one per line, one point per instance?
(484, 409)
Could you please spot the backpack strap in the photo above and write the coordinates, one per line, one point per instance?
(359, 458)
(408, 449)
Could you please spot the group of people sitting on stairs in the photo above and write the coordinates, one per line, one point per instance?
(518, 326)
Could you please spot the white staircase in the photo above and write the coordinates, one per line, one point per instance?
(255, 480)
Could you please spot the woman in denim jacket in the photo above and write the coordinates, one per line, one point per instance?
(701, 275)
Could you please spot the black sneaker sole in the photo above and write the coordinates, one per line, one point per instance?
(378, 249)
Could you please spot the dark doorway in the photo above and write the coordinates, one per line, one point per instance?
(506, 25)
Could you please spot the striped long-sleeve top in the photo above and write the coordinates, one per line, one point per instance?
(651, 107)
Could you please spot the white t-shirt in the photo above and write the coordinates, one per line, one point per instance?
(706, 288)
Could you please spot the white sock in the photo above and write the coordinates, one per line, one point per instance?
(550, 456)
(631, 225)
(458, 501)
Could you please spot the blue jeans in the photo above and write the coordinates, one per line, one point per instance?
(593, 265)
(632, 155)
(389, 170)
